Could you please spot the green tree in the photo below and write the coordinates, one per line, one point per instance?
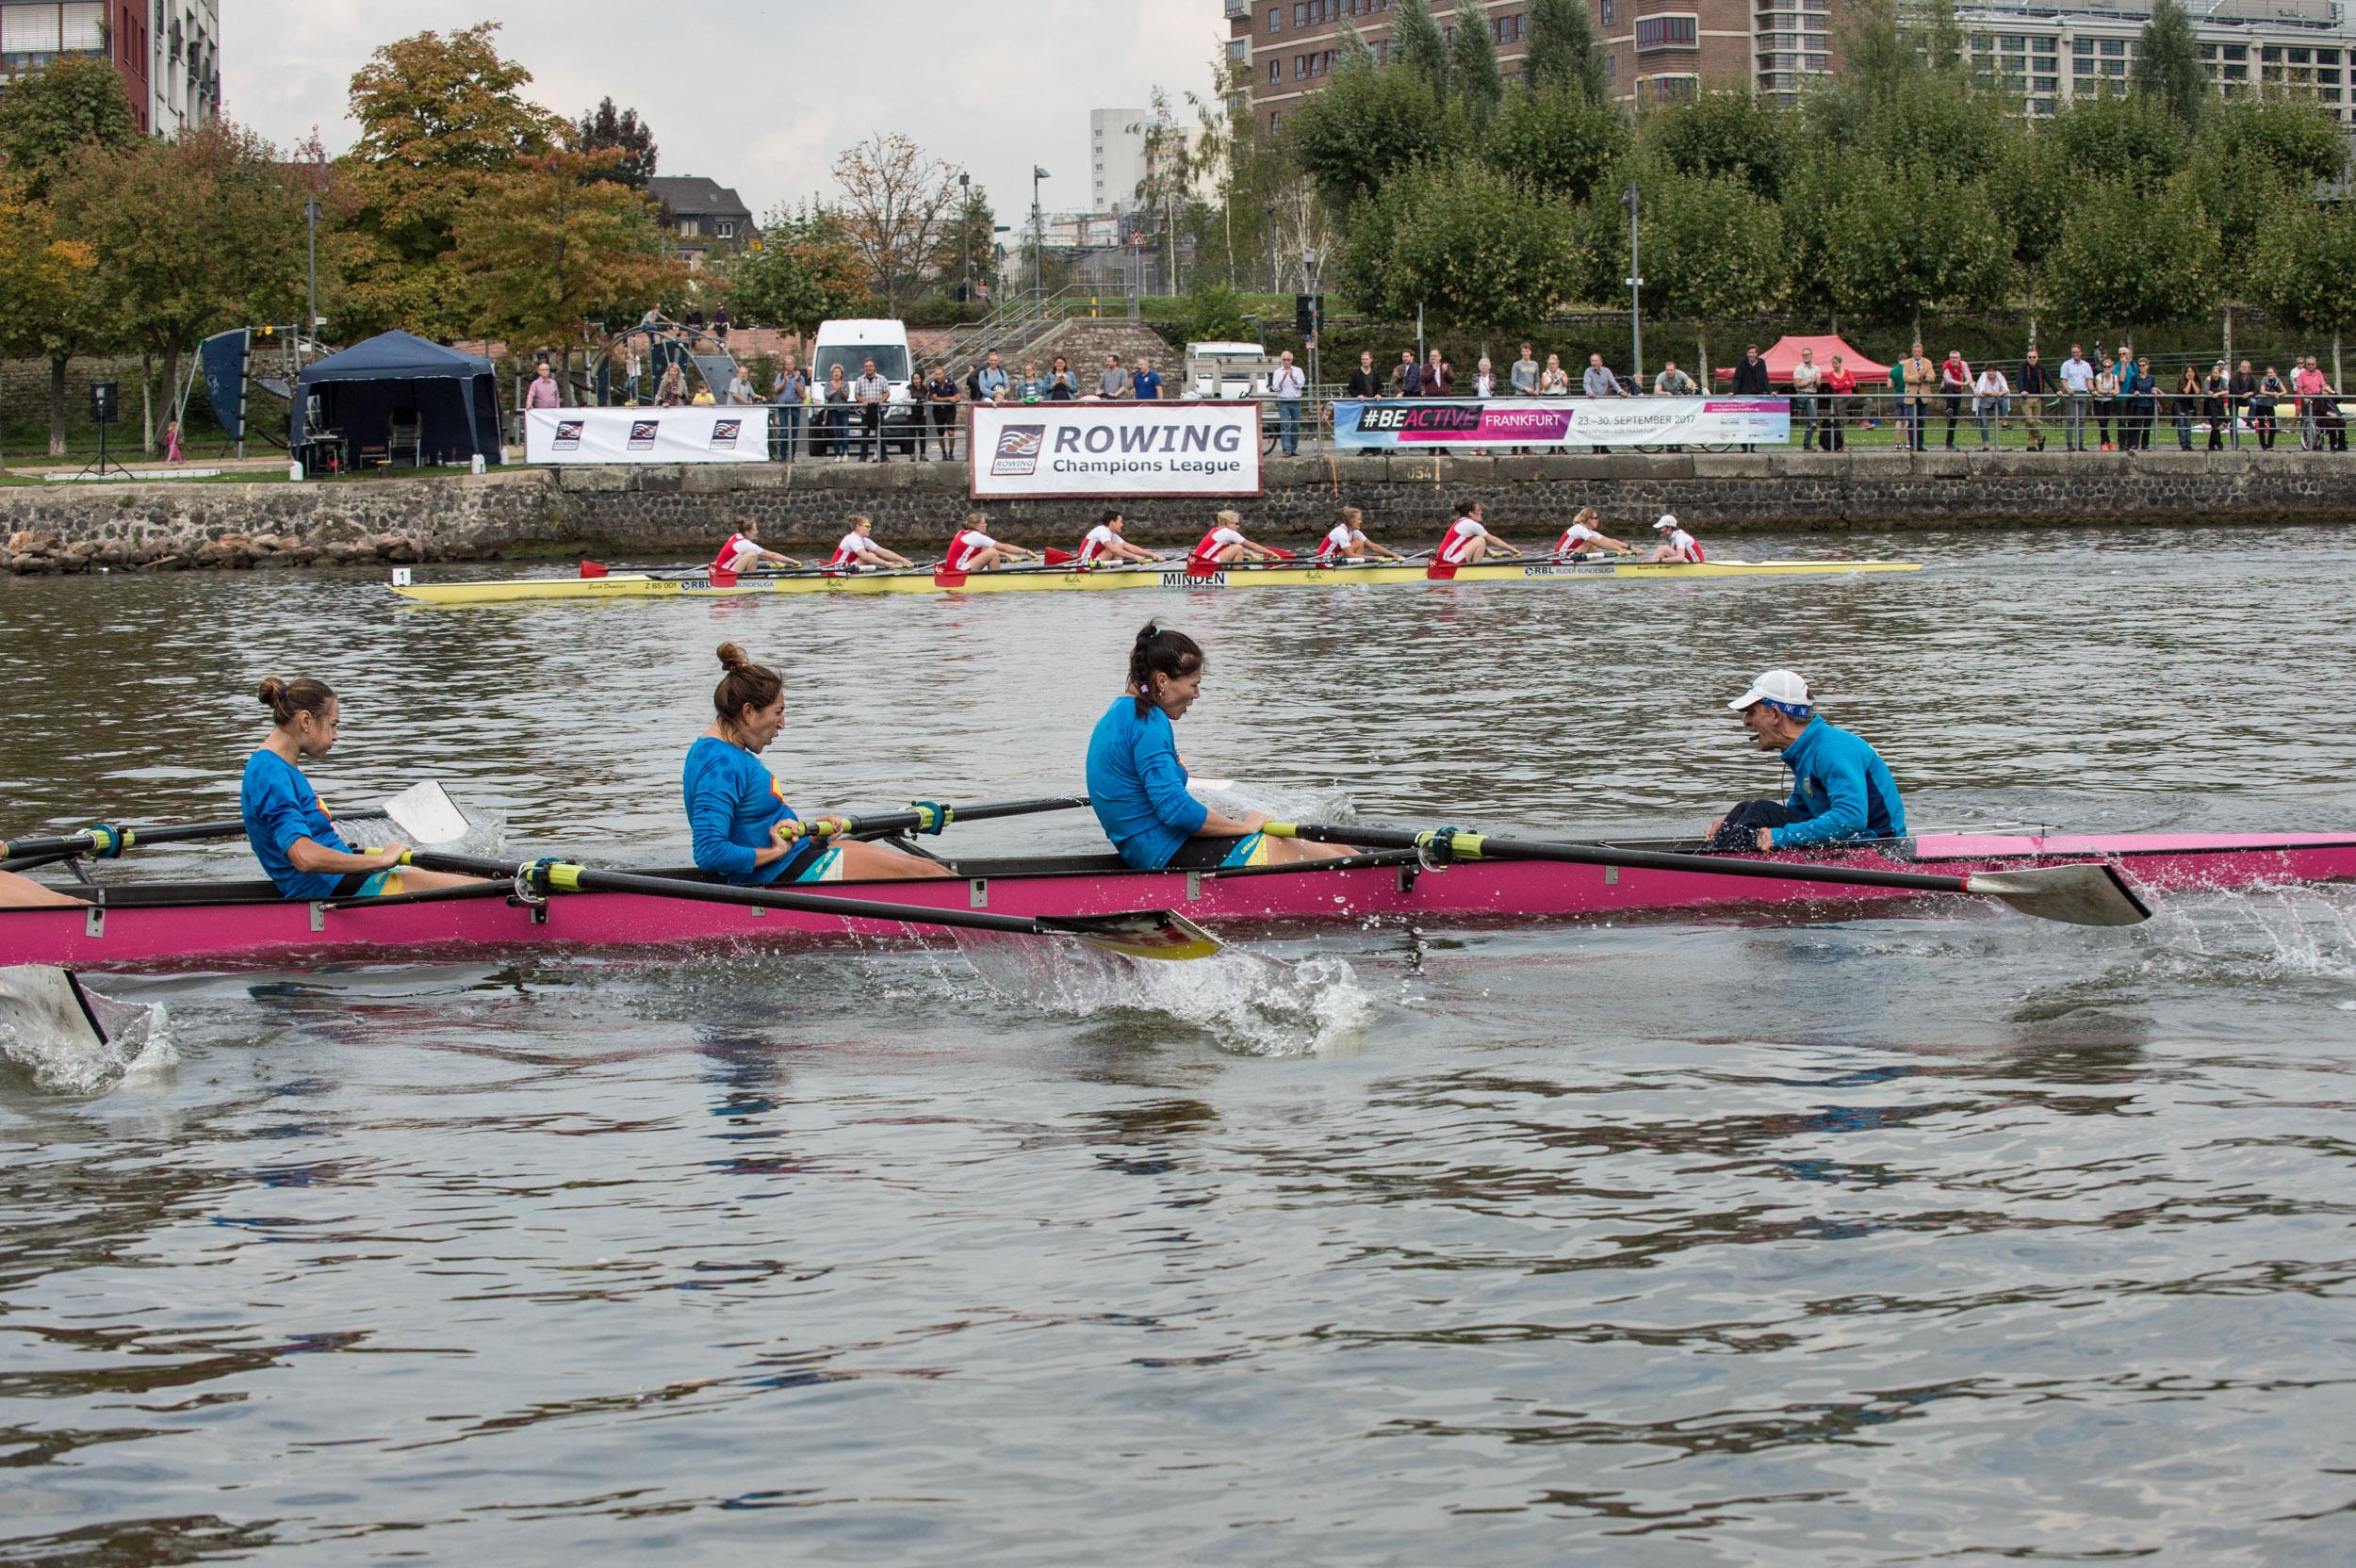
(807, 271)
(2304, 271)
(2169, 67)
(1558, 139)
(1564, 51)
(556, 244)
(1737, 133)
(1418, 44)
(1473, 61)
(45, 117)
(604, 127)
(440, 119)
(2034, 190)
(2137, 255)
(1365, 126)
(2107, 136)
(1907, 240)
(2301, 142)
(43, 280)
(1812, 208)
(1712, 248)
(1941, 129)
(193, 235)
(1477, 249)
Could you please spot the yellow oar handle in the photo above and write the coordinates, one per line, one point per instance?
(817, 827)
(1279, 829)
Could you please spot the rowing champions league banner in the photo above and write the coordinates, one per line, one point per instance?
(733, 435)
(1115, 450)
(1412, 424)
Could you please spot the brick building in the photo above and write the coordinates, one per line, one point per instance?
(167, 53)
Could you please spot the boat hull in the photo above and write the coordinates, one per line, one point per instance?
(141, 934)
(624, 585)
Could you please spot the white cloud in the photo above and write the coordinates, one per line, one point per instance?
(763, 96)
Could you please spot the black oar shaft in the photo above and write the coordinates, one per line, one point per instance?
(1474, 847)
(922, 819)
(104, 840)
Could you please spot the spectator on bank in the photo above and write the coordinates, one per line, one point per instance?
(2243, 395)
(1837, 387)
(741, 388)
(835, 417)
(544, 392)
(1672, 382)
(1144, 385)
(1599, 382)
(988, 379)
(1526, 373)
(1914, 375)
(631, 369)
(2105, 397)
(2265, 420)
(940, 394)
(694, 316)
(1408, 377)
(1289, 384)
(1062, 386)
(2036, 384)
(788, 392)
(2218, 405)
(2143, 394)
(1988, 392)
(1364, 382)
(873, 391)
(671, 391)
(1112, 383)
(1555, 382)
(720, 324)
(171, 443)
(1954, 385)
(2077, 381)
(1750, 381)
(1439, 377)
(1806, 377)
(2188, 400)
(1484, 379)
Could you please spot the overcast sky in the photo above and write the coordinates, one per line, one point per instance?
(763, 94)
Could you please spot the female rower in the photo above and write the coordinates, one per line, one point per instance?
(743, 552)
(1466, 542)
(972, 550)
(1675, 544)
(1104, 543)
(1138, 787)
(858, 547)
(1581, 537)
(736, 808)
(1346, 540)
(1225, 544)
(290, 830)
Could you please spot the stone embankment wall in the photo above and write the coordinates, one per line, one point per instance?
(683, 510)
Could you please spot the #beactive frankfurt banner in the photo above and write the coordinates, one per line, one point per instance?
(1080, 450)
(1414, 423)
(709, 434)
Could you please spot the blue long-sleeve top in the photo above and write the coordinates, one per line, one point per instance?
(279, 808)
(732, 802)
(1843, 786)
(1138, 787)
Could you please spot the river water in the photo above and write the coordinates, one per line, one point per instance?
(1741, 1239)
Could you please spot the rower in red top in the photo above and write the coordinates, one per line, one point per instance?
(1103, 543)
(743, 552)
(973, 550)
(1225, 544)
(1466, 543)
(1675, 544)
(1582, 537)
(1346, 540)
(858, 547)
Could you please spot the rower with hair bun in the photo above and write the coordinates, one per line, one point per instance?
(1582, 537)
(290, 831)
(736, 810)
(1139, 786)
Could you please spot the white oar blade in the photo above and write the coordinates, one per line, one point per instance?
(2088, 894)
(43, 1003)
(1163, 933)
(427, 815)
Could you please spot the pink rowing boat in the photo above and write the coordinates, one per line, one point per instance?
(149, 926)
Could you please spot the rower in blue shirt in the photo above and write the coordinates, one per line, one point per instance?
(1841, 788)
(1138, 787)
(736, 810)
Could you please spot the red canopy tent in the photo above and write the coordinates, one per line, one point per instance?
(1786, 354)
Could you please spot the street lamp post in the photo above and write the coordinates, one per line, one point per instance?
(311, 244)
(1038, 235)
(1630, 199)
(965, 238)
(1269, 209)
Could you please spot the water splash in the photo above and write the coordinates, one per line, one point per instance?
(1248, 1004)
(2297, 929)
(61, 1060)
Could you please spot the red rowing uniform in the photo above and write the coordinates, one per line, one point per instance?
(1573, 536)
(1459, 539)
(1204, 560)
(739, 554)
(1338, 540)
(968, 543)
(1098, 540)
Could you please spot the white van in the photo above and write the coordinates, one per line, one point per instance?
(851, 344)
(1227, 371)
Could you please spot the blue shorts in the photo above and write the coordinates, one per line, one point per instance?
(812, 861)
(368, 884)
(1207, 853)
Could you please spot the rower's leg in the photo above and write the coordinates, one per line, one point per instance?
(864, 862)
(23, 893)
(1287, 851)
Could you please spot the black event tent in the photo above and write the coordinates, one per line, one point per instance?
(397, 372)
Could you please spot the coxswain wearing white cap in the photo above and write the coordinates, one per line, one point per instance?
(1675, 544)
(1841, 788)
(1466, 542)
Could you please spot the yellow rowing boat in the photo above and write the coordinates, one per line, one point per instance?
(1172, 573)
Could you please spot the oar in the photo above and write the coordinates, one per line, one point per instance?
(1135, 933)
(926, 816)
(2089, 893)
(104, 840)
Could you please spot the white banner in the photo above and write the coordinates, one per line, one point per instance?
(736, 434)
(1432, 424)
(1115, 451)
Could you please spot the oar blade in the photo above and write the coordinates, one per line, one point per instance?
(1163, 933)
(2088, 894)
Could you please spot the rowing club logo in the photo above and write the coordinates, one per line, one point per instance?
(724, 433)
(642, 434)
(568, 434)
(1018, 450)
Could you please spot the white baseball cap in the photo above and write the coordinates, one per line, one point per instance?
(1667, 520)
(1784, 686)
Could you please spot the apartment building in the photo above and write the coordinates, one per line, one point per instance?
(169, 56)
(2045, 52)
(183, 73)
(704, 217)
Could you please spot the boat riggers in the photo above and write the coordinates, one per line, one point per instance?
(2087, 893)
(1135, 934)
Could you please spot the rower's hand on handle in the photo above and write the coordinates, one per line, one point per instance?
(389, 854)
(1254, 820)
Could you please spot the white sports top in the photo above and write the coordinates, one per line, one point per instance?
(1464, 531)
(745, 554)
(854, 543)
(971, 542)
(1344, 536)
(1099, 538)
(1680, 539)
